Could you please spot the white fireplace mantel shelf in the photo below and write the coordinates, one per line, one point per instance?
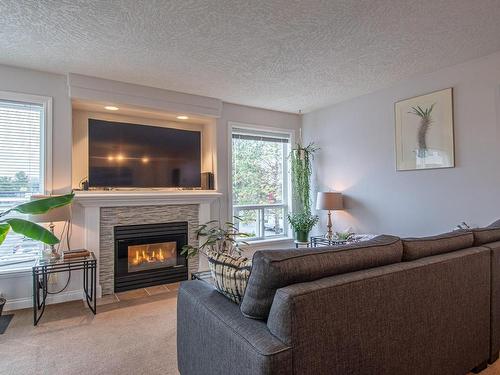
(116, 198)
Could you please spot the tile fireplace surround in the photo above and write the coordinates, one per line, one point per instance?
(100, 212)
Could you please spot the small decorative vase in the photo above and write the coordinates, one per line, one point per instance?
(301, 236)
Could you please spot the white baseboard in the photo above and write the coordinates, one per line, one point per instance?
(72, 295)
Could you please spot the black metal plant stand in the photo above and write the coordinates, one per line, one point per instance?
(44, 267)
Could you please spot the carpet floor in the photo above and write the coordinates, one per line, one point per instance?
(133, 333)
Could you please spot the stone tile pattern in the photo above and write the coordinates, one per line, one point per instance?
(130, 215)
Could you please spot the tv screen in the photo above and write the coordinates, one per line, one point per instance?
(143, 156)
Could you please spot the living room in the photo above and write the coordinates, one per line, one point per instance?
(256, 188)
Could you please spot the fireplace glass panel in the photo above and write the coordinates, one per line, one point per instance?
(151, 256)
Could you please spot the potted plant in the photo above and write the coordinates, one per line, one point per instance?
(28, 228)
(220, 239)
(221, 245)
(301, 219)
(302, 223)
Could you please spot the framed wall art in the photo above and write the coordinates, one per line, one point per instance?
(424, 132)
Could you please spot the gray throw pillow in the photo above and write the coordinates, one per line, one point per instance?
(416, 248)
(486, 235)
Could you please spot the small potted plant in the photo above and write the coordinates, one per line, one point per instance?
(302, 223)
(221, 244)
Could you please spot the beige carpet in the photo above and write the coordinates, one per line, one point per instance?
(131, 334)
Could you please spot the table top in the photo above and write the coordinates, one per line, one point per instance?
(45, 262)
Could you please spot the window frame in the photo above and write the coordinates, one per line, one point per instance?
(45, 133)
(46, 176)
(286, 176)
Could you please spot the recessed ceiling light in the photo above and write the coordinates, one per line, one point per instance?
(111, 108)
(182, 117)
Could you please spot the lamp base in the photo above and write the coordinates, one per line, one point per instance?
(329, 236)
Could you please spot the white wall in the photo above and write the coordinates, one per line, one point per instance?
(53, 85)
(357, 156)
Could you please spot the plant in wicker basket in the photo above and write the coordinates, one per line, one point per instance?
(215, 238)
(221, 244)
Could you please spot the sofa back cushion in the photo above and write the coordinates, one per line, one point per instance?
(274, 269)
(489, 234)
(416, 248)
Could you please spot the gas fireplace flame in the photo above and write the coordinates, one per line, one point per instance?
(145, 256)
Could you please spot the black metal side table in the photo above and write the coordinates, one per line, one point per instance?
(322, 241)
(205, 276)
(44, 267)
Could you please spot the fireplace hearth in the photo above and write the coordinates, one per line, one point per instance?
(149, 254)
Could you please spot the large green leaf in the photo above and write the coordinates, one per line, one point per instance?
(33, 231)
(41, 206)
(4, 229)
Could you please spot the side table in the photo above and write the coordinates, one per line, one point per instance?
(44, 267)
(205, 276)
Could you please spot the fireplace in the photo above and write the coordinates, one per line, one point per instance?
(150, 254)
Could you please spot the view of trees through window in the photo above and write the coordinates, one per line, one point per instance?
(260, 189)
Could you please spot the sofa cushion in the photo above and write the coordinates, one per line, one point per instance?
(489, 234)
(416, 248)
(274, 269)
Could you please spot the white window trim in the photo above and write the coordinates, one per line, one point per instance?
(46, 133)
(269, 129)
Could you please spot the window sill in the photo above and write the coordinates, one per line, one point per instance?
(284, 241)
(16, 270)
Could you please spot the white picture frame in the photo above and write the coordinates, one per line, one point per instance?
(424, 131)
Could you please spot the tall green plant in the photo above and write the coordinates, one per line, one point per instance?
(301, 165)
(28, 228)
(301, 159)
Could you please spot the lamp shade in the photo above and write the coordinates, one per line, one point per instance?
(62, 213)
(329, 200)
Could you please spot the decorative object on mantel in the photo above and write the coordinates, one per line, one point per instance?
(221, 245)
(331, 201)
(28, 228)
(424, 131)
(301, 219)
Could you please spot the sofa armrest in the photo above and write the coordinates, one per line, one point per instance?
(213, 337)
(426, 316)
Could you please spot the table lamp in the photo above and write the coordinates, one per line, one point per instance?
(329, 200)
(52, 216)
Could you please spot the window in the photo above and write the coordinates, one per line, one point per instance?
(260, 182)
(23, 165)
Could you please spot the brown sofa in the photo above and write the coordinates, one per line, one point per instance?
(385, 306)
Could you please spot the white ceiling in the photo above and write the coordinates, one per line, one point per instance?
(279, 54)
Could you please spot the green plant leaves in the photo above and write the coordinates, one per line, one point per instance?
(4, 230)
(41, 206)
(32, 230)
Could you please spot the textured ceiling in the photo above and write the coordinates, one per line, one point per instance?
(279, 54)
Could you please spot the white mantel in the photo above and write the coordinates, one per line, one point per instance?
(88, 204)
(115, 198)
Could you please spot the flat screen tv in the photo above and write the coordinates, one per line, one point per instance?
(143, 156)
